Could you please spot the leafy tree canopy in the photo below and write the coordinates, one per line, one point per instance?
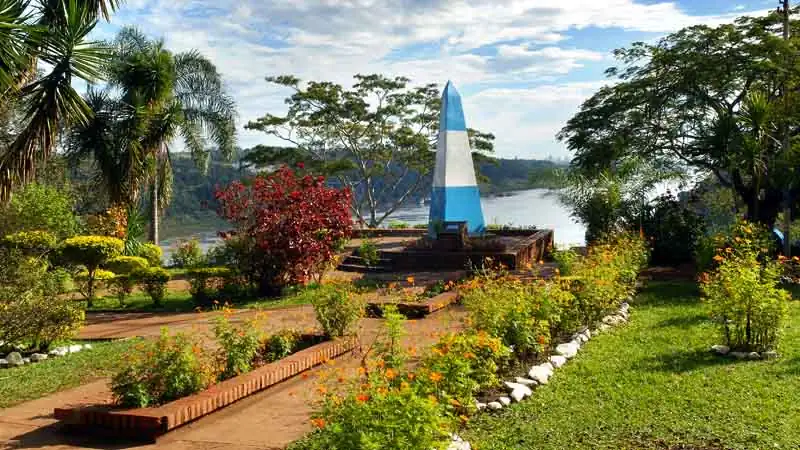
(377, 138)
(708, 99)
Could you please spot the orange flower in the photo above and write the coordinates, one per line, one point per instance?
(322, 390)
(390, 374)
(411, 376)
(362, 370)
(719, 258)
(318, 422)
(361, 398)
(410, 280)
(541, 340)
(469, 355)
(436, 377)
(455, 402)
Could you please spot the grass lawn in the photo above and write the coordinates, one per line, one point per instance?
(653, 384)
(33, 381)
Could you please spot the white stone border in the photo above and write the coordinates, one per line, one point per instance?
(724, 350)
(15, 359)
(521, 388)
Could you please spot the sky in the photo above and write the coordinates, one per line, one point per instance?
(523, 66)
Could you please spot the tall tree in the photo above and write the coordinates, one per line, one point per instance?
(153, 97)
(53, 32)
(377, 138)
(708, 99)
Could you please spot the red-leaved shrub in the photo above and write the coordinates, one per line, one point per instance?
(288, 227)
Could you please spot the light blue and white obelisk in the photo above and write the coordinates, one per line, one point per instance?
(455, 196)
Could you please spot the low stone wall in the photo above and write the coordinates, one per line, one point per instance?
(148, 423)
(363, 233)
(528, 250)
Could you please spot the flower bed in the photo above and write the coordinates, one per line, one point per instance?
(510, 324)
(148, 423)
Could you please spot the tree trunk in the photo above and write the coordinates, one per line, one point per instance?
(154, 211)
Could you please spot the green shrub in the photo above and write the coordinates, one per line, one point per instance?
(398, 225)
(33, 309)
(207, 283)
(88, 286)
(607, 275)
(338, 311)
(379, 410)
(123, 266)
(91, 252)
(467, 363)
(368, 251)
(163, 370)
(673, 230)
(745, 301)
(34, 243)
(238, 346)
(388, 343)
(126, 264)
(188, 254)
(740, 237)
(280, 345)
(40, 207)
(565, 260)
(151, 252)
(153, 280)
(515, 312)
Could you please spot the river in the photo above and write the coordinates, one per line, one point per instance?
(535, 207)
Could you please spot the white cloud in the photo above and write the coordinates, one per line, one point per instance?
(529, 118)
(485, 45)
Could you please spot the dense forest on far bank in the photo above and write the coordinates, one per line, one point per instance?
(192, 207)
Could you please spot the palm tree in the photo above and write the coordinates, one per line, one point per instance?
(158, 95)
(54, 32)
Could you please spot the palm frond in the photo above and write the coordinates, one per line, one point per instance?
(199, 89)
(51, 103)
(15, 34)
(51, 10)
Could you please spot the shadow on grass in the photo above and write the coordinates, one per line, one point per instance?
(644, 442)
(685, 361)
(667, 293)
(684, 322)
(791, 366)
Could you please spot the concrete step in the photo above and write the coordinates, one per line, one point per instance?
(359, 261)
(363, 268)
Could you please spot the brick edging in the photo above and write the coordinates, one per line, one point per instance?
(148, 423)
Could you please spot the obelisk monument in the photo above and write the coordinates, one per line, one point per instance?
(455, 196)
